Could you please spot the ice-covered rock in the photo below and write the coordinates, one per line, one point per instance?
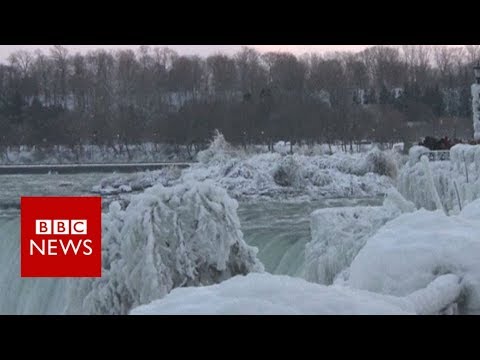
(412, 250)
(288, 172)
(167, 237)
(338, 234)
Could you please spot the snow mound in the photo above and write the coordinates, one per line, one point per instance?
(266, 294)
(338, 234)
(167, 237)
(412, 250)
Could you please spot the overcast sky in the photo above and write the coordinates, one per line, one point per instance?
(202, 50)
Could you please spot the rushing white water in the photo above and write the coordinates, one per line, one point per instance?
(21, 295)
(24, 296)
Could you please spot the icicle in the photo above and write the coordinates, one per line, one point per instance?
(458, 195)
(431, 184)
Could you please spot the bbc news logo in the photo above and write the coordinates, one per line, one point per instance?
(61, 237)
(60, 227)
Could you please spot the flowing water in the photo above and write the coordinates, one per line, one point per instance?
(280, 230)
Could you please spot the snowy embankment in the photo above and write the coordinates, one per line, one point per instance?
(248, 175)
(88, 154)
(167, 237)
(263, 294)
(457, 181)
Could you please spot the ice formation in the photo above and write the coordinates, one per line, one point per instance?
(264, 294)
(273, 175)
(457, 181)
(476, 110)
(430, 184)
(338, 234)
(167, 237)
(412, 250)
(310, 173)
(121, 183)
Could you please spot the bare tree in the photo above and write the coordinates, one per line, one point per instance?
(23, 60)
(473, 53)
(251, 73)
(223, 74)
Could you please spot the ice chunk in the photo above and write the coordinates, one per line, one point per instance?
(338, 234)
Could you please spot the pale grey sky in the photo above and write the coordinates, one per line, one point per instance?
(203, 50)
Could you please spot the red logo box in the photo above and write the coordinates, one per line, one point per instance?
(61, 236)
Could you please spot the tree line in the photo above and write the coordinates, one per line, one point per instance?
(125, 97)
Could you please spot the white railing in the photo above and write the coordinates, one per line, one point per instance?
(439, 155)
